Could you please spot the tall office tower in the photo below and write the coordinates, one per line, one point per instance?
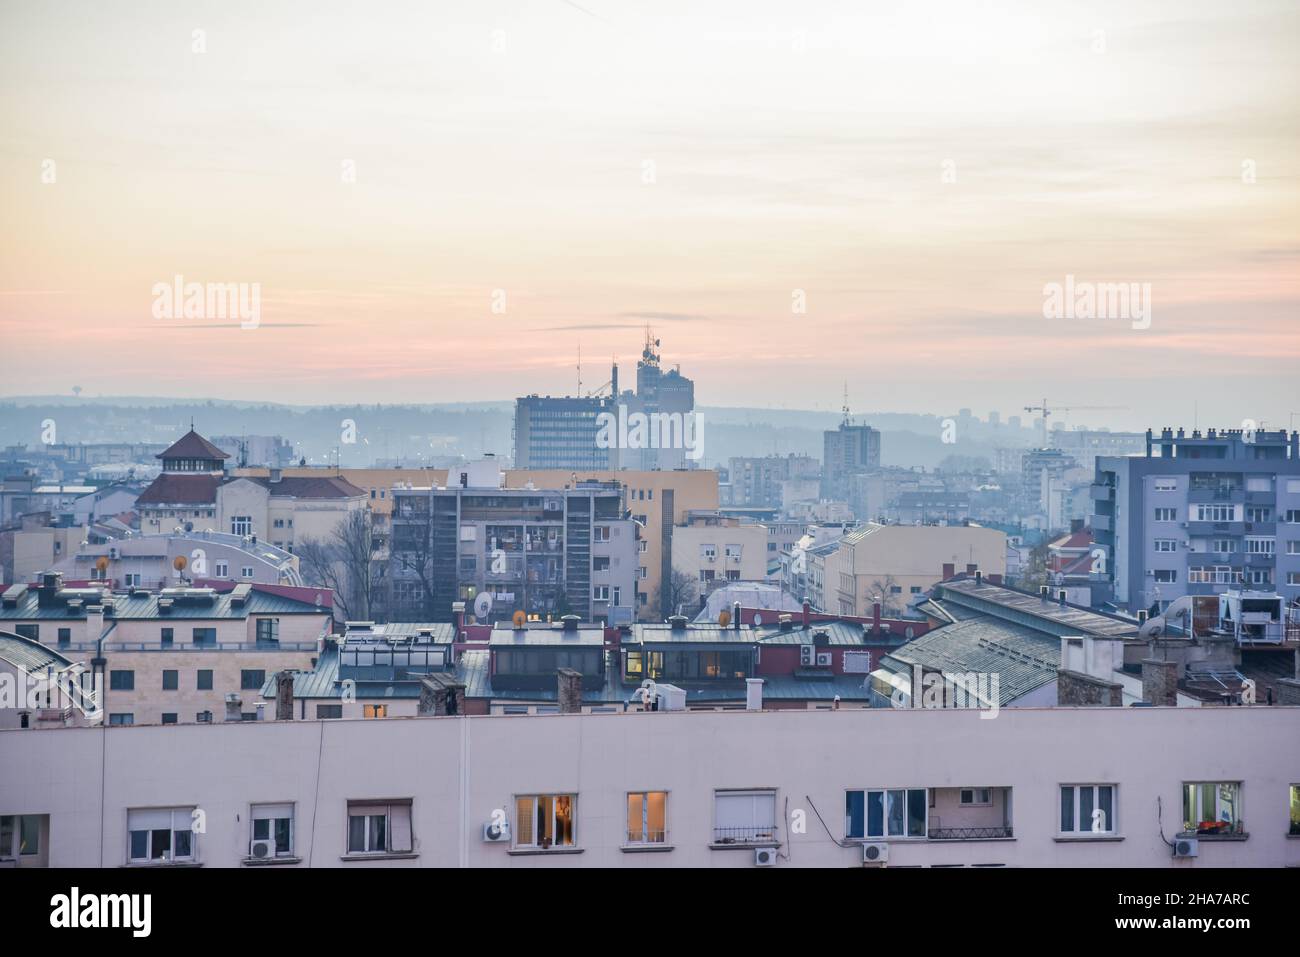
(849, 450)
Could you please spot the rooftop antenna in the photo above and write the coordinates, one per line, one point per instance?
(579, 369)
(845, 408)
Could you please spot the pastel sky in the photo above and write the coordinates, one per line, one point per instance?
(608, 163)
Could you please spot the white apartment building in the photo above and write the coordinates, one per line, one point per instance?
(908, 788)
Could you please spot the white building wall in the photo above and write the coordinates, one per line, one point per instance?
(459, 770)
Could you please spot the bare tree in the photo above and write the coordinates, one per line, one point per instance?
(347, 562)
(677, 593)
(411, 551)
(891, 602)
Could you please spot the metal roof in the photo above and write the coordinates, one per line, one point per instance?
(1047, 616)
(535, 637)
(693, 633)
(31, 656)
(144, 606)
(845, 634)
(1023, 658)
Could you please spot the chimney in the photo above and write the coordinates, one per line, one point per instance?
(570, 624)
(753, 694)
(233, 701)
(677, 623)
(807, 613)
(949, 571)
(1160, 682)
(1061, 596)
(276, 475)
(735, 616)
(569, 692)
(979, 577)
(995, 578)
(1142, 616)
(875, 617)
(458, 616)
(284, 696)
(1042, 592)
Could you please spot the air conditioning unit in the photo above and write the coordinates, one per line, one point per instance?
(765, 857)
(824, 659)
(495, 833)
(807, 655)
(875, 853)
(261, 850)
(1186, 847)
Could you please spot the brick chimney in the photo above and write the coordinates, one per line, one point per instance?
(284, 696)
(569, 691)
(949, 571)
(1160, 682)
(875, 617)
(807, 613)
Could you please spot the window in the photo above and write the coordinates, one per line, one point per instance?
(709, 552)
(167, 637)
(744, 817)
(268, 631)
(617, 596)
(273, 822)
(171, 679)
(1225, 546)
(545, 820)
(30, 632)
(1166, 515)
(251, 679)
(1166, 545)
(1166, 576)
(20, 835)
(121, 680)
(324, 711)
(375, 711)
(1256, 513)
(600, 564)
(1164, 484)
(733, 553)
(1211, 808)
(223, 569)
(647, 817)
(65, 637)
(600, 533)
(169, 717)
(975, 797)
(246, 571)
(121, 719)
(600, 592)
(379, 827)
(204, 679)
(1088, 809)
(1293, 516)
(1293, 547)
(161, 834)
(1261, 546)
(1295, 811)
(1216, 513)
(241, 525)
(205, 637)
(894, 813)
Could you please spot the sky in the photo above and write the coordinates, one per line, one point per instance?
(444, 202)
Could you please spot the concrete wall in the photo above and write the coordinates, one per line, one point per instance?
(459, 770)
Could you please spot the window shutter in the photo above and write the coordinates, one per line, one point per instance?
(399, 828)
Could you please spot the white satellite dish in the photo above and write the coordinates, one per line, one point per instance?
(758, 619)
(483, 605)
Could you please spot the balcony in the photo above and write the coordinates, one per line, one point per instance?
(756, 835)
(970, 814)
(995, 832)
(1218, 495)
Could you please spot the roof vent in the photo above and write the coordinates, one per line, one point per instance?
(570, 622)
(677, 622)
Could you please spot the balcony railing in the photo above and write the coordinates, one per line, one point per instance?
(969, 833)
(744, 835)
(188, 646)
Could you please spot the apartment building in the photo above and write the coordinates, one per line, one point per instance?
(848, 451)
(1199, 514)
(33, 543)
(713, 549)
(159, 561)
(897, 563)
(174, 655)
(837, 788)
(759, 480)
(658, 501)
(546, 552)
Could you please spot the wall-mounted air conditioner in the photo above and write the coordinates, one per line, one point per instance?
(807, 655)
(1186, 847)
(765, 857)
(877, 853)
(261, 850)
(824, 659)
(495, 833)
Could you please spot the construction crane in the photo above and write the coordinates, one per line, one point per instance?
(1047, 410)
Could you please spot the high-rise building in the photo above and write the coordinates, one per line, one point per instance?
(560, 432)
(1200, 514)
(848, 451)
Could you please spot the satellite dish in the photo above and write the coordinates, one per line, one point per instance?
(483, 605)
(758, 619)
(519, 619)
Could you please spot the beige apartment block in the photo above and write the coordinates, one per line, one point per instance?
(175, 654)
(897, 563)
(715, 550)
(376, 483)
(659, 500)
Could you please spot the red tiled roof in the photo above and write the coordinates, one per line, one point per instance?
(172, 489)
(311, 486)
(191, 445)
